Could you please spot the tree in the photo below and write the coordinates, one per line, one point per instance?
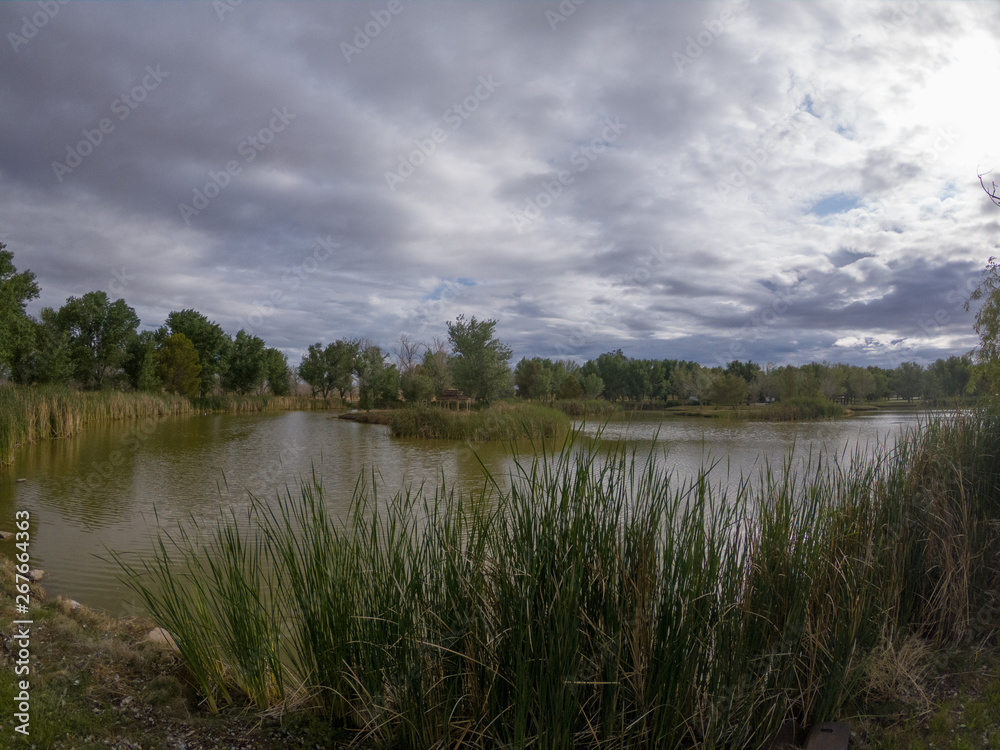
(729, 390)
(908, 380)
(16, 290)
(277, 374)
(610, 367)
(416, 386)
(210, 341)
(378, 381)
(436, 367)
(569, 388)
(592, 384)
(407, 351)
(177, 366)
(532, 379)
(245, 367)
(480, 365)
(100, 332)
(140, 361)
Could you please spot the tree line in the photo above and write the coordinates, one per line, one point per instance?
(94, 342)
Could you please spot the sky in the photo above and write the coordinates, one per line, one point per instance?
(769, 180)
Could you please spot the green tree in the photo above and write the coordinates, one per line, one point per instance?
(140, 361)
(908, 380)
(177, 366)
(100, 332)
(532, 379)
(592, 384)
(416, 386)
(341, 359)
(16, 327)
(610, 367)
(378, 381)
(210, 341)
(480, 365)
(729, 390)
(279, 377)
(245, 367)
(569, 388)
(436, 367)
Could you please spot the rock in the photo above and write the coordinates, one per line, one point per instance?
(68, 605)
(36, 574)
(6, 536)
(21, 481)
(161, 637)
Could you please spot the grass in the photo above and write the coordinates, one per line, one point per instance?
(593, 409)
(503, 422)
(96, 683)
(29, 414)
(233, 404)
(594, 602)
(39, 412)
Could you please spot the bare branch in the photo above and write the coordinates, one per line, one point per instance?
(991, 191)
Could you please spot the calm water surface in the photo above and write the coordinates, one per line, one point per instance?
(116, 486)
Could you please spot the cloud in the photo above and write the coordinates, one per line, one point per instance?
(574, 179)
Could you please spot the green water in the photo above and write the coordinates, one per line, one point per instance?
(115, 487)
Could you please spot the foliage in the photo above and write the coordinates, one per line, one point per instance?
(589, 601)
(435, 366)
(592, 384)
(140, 362)
(531, 379)
(416, 386)
(729, 390)
(498, 423)
(570, 388)
(378, 381)
(209, 340)
(480, 364)
(246, 364)
(277, 374)
(28, 414)
(332, 368)
(16, 290)
(177, 366)
(100, 332)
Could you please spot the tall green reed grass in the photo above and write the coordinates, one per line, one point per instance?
(591, 601)
(502, 422)
(28, 414)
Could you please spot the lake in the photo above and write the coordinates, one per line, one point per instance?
(116, 486)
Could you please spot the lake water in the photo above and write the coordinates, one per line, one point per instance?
(115, 487)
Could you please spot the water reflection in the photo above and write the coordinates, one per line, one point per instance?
(117, 485)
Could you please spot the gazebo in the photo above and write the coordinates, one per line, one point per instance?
(455, 396)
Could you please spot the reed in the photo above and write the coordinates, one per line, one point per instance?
(503, 422)
(591, 601)
(28, 414)
(234, 404)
